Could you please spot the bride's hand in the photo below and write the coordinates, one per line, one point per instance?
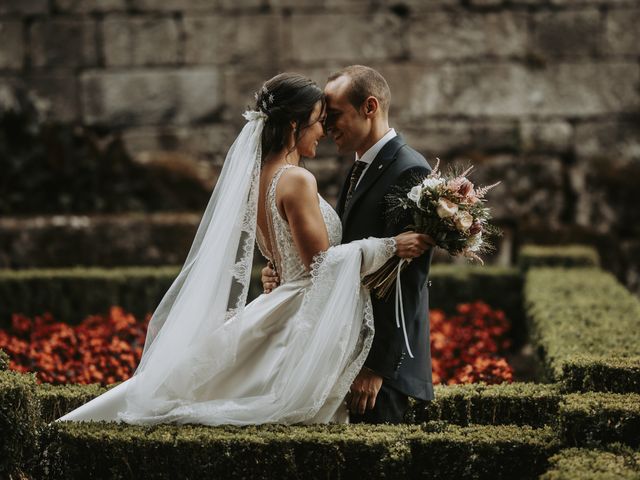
(270, 278)
(412, 245)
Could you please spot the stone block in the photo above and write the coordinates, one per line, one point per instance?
(24, 7)
(252, 39)
(12, 45)
(531, 191)
(567, 33)
(487, 3)
(63, 43)
(456, 35)
(90, 6)
(175, 5)
(555, 136)
(53, 94)
(151, 97)
(350, 38)
(70, 240)
(239, 87)
(59, 90)
(245, 4)
(618, 141)
(140, 41)
(579, 3)
(622, 31)
(605, 190)
(565, 89)
(417, 6)
(208, 143)
(436, 137)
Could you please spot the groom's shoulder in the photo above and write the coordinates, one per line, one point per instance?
(409, 158)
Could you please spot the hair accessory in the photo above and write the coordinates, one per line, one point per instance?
(268, 98)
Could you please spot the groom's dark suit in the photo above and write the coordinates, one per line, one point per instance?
(362, 217)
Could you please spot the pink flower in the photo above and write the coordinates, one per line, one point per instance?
(476, 227)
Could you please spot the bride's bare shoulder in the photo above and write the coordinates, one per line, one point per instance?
(297, 181)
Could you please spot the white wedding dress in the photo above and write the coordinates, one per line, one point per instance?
(289, 357)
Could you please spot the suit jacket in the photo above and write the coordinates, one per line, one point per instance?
(364, 216)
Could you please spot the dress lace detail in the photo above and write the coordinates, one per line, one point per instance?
(285, 256)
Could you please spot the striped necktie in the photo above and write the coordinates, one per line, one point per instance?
(355, 176)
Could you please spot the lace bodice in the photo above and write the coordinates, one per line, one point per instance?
(285, 256)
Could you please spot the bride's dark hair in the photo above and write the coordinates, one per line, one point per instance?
(286, 98)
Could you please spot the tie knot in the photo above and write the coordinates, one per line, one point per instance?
(360, 165)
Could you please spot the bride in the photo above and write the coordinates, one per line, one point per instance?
(289, 356)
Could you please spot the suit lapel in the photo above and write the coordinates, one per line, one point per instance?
(385, 157)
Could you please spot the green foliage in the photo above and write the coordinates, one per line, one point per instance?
(316, 451)
(582, 315)
(57, 400)
(588, 373)
(615, 463)
(595, 418)
(4, 360)
(19, 422)
(508, 403)
(557, 256)
(72, 294)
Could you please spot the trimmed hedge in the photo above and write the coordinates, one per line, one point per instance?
(435, 450)
(557, 256)
(599, 418)
(19, 422)
(584, 312)
(583, 464)
(57, 400)
(72, 294)
(4, 360)
(583, 373)
(508, 403)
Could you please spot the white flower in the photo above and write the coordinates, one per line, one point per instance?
(415, 194)
(446, 208)
(463, 221)
(431, 182)
(474, 243)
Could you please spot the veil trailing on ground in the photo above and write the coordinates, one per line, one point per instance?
(210, 290)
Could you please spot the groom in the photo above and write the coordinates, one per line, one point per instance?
(358, 100)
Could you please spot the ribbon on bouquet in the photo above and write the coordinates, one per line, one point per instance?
(400, 307)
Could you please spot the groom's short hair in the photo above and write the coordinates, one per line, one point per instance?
(365, 82)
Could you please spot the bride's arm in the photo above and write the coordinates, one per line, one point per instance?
(297, 192)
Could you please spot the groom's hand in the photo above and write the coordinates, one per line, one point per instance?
(270, 278)
(411, 244)
(364, 390)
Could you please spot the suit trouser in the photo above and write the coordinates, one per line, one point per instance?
(391, 406)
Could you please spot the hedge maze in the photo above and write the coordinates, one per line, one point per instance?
(583, 422)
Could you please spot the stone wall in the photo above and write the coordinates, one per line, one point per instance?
(543, 94)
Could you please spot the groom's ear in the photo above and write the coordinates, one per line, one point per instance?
(371, 106)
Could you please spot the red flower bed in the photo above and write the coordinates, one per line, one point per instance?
(468, 347)
(465, 347)
(102, 349)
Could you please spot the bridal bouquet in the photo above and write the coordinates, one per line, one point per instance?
(447, 207)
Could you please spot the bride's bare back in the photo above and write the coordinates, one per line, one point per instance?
(298, 203)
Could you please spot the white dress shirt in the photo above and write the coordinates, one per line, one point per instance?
(372, 153)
